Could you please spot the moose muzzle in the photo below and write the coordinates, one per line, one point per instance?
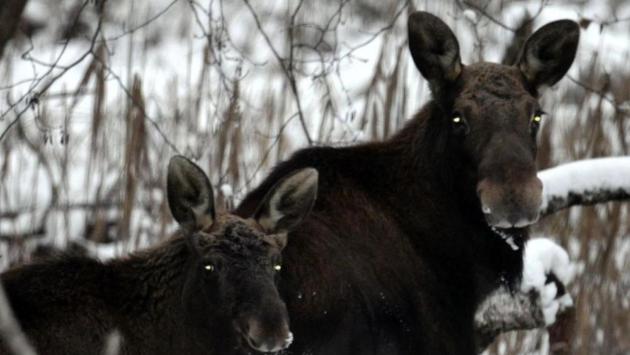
(513, 205)
(267, 329)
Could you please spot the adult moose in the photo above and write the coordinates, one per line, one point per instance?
(207, 290)
(410, 231)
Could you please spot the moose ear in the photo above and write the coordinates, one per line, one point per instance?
(434, 49)
(549, 53)
(189, 194)
(288, 202)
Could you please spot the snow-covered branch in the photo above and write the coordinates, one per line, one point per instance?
(542, 296)
(585, 182)
(503, 311)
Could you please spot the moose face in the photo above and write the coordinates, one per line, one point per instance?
(235, 262)
(492, 111)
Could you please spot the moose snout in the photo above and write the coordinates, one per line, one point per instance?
(267, 330)
(264, 341)
(513, 205)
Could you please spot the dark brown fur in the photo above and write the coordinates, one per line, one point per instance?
(208, 291)
(69, 304)
(397, 253)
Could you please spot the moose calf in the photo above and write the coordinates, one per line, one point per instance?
(207, 290)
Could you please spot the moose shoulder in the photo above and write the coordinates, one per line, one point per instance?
(410, 231)
(208, 290)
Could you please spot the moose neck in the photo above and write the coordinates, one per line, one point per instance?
(427, 163)
(149, 294)
(432, 170)
(152, 276)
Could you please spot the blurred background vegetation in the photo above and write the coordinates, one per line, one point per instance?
(96, 95)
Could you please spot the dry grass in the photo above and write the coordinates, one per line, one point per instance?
(239, 134)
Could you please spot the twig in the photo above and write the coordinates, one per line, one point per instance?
(33, 97)
(135, 103)
(603, 95)
(286, 69)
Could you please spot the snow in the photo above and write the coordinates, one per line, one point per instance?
(177, 57)
(544, 257)
(226, 190)
(170, 67)
(471, 15)
(586, 177)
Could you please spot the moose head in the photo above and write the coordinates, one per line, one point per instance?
(492, 111)
(234, 262)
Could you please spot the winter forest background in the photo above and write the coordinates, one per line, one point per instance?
(96, 96)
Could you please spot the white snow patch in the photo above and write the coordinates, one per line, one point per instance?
(543, 257)
(471, 15)
(226, 190)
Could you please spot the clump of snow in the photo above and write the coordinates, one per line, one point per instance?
(226, 190)
(544, 257)
(471, 15)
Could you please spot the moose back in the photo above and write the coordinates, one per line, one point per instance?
(406, 236)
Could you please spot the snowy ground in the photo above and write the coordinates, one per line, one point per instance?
(163, 43)
(177, 57)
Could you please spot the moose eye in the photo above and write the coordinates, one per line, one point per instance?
(537, 117)
(209, 267)
(277, 267)
(536, 120)
(460, 125)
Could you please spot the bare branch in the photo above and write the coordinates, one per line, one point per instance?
(135, 103)
(600, 93)
(286, 67)
(503, 311)
(32, 98)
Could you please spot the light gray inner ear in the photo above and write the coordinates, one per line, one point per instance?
(190, 195)
(531, 65)
(288, 202)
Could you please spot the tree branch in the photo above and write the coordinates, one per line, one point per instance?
(503, 311)
(287, 68)
(585, 182)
